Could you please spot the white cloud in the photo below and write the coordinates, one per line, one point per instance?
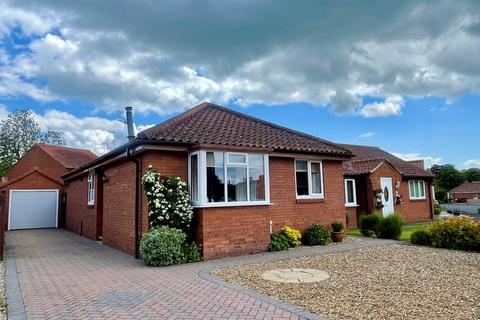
(367, 135)
(95, 133)
(429, 160)
(391, 106)
(141, 55)
(472, 163)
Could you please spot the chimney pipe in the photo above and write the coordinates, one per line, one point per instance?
(129, 114)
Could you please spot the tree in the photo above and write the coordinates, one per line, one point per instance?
(472, 174)
(447, 177)
(18, 133)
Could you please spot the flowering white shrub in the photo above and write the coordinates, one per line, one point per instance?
(168, 201)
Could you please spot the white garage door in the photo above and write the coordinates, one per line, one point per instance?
(33, 209)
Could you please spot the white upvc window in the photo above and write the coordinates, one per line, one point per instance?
(350, 193)
(228, 178)
(91, 189)
(416, 189)
(308, 179)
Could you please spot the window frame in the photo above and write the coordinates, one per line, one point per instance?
(310, 195)
(416, 185)
(91, 189)
(202, 179)
(354, 203)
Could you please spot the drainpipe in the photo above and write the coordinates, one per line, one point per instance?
(138, 221)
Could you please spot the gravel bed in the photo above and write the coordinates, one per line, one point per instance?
(390, 282)
(3, 309)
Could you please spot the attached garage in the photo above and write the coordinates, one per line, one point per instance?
(31, 209)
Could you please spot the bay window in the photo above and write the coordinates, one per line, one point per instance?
(416, 189)
(350, 196)
(228, 178)
(309, 179)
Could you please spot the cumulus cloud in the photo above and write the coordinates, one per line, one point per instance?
(165, 58)
(472, 163)
(429, 160)
(390, 107)
(95, 133)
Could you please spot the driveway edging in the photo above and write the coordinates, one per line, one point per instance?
(15, 304)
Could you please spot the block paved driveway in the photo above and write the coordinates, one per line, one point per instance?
(60, 275)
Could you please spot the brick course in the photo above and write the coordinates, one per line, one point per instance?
(80, 218)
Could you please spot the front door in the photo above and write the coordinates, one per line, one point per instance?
(387, 196)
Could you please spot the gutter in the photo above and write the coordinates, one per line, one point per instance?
(138, 211)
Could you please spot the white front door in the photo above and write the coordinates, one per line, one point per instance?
(387, 196)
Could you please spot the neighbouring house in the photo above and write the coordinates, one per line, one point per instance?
(246, 177)
(378, 182)
(31, 191)
(466, 192)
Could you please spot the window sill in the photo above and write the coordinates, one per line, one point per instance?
(232, 204)
(310, 200)
(90, 205)
(351, 205)
(418, 199)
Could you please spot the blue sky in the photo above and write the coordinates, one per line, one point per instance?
(411, 87)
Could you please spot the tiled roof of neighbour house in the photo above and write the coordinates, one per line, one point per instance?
(356, 167)
(368, 157)
(467, 187)
(68, 157)
(209, 124)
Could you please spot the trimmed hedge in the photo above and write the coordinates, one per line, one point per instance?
(315, 235)
(421, 237)
(165, 246)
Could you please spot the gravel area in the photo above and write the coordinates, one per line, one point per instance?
(3, 309)
(389, 282)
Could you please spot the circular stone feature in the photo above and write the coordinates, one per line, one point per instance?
(294, 275)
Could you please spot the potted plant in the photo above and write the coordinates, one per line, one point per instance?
(337, 231)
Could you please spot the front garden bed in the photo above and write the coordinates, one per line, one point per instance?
(390, 282)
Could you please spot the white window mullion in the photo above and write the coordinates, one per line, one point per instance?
(225, 177)
(202, 171)
(266, 175)
(309, 177)
(248, 178)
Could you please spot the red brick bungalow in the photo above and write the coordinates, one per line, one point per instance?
(31, 191)
(274, 177)
(406, 186)
(466, 192)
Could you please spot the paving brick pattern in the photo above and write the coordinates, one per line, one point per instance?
(64, 276)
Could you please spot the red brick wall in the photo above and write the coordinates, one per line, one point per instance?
(410, 210)
(240, 230)
(80, 217)
(33, 181)
(119, 207)
(36, 157)
(352, 212)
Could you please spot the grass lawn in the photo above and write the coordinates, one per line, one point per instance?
(406, 233)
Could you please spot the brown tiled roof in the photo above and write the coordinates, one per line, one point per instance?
(214, 125)
(68, 157)
(467, 187)
(361, 166)
(365, 157)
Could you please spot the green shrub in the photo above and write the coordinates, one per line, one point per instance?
(389, 227)
(421, 237)
(368, 224)
(316, 235)
(337, 226)
(191, 253)
(456, 233)
(163, 246)
(437, 209)
(293, 236)
(278, 242)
